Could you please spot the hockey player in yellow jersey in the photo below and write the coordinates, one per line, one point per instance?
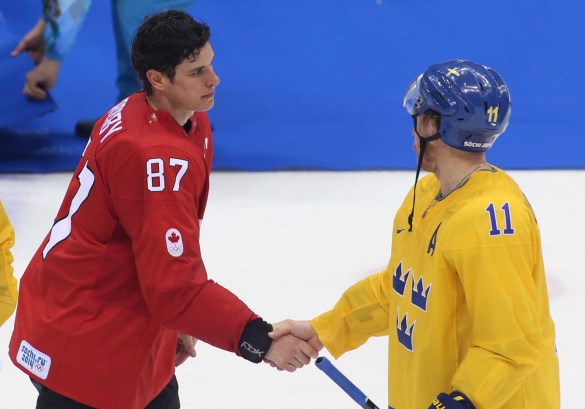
(463, 300)
(8, 285)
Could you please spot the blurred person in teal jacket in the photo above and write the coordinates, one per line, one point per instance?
(55, 33)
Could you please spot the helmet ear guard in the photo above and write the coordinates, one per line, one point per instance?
(473, 101)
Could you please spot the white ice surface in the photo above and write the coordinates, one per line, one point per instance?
(289, 243)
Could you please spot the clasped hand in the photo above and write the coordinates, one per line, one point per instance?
(294, 343)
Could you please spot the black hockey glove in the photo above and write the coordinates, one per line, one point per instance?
(455, 400)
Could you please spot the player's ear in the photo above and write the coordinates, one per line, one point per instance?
(156, 79)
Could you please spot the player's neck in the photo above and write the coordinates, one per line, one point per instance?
(456, 173)
(161, 104)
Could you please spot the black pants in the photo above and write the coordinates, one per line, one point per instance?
(49, 399)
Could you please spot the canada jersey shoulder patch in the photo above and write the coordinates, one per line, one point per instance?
(174, 242)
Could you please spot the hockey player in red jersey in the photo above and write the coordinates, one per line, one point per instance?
(120, 275)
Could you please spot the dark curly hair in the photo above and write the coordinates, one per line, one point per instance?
(164, 40)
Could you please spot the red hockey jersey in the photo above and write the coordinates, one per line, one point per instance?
(120, 273)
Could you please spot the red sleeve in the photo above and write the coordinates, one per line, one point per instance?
(157, 194)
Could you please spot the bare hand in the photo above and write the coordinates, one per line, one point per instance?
(288, 353)
(185, 348)
(41, 78)
(300, 329)
(33, 43)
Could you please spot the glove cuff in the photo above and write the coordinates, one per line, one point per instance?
(255, 342)
(454, 400)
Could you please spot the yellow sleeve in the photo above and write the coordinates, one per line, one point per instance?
(8, 289)
(500, 275)
(360, 313)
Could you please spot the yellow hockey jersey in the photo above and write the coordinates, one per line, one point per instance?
(463, 301)
(8, 291)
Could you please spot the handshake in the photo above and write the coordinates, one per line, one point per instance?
(294, 343)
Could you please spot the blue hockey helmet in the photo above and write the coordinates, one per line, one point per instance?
(473, 101)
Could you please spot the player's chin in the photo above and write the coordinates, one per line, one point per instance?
(205, 104)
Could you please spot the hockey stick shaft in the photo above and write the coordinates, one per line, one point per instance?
(341, 380)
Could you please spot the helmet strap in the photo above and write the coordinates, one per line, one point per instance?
(422, 144)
